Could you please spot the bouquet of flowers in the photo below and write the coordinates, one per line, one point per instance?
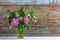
(20, 19)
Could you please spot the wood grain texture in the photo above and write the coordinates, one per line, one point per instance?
(48, 20)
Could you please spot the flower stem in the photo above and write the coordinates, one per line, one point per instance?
(20, 32)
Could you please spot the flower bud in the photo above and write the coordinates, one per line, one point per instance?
(21, 18)
(28, 14)
(35, 21)
(14, 10)
(16, 14)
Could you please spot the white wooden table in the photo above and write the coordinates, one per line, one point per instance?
(29, 38)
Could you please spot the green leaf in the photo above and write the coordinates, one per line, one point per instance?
(21, 12)
(22, 22)
(20, 27)
(31, 15)
(11, 15)
(9, 21)
(25, 25)
(28, 28)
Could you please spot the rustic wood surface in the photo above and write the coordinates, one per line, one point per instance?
(48, 20)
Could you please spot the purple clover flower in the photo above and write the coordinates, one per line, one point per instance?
(26, 19)
(15, 22)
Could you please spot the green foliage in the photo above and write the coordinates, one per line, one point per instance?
(31, 15)
(11, 15)
(28, 28)
(25, 25)
(21, 12)
(22, 22)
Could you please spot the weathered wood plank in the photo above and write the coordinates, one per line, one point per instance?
(48, 20)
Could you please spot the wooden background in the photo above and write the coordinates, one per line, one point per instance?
(48, 20)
